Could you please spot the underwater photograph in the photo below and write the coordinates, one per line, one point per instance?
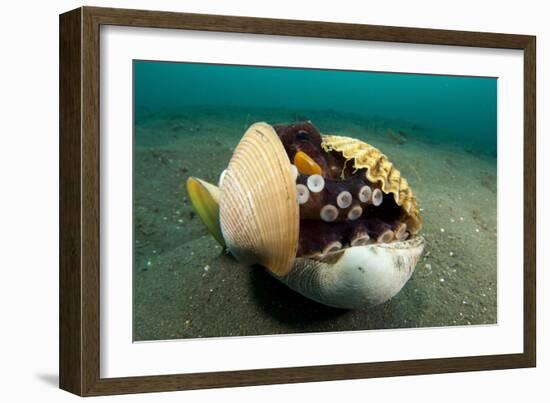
(278, 200)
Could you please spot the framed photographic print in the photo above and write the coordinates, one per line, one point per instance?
(249, 201)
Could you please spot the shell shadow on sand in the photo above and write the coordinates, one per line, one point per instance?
(286, 305)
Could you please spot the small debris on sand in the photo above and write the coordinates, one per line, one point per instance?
(396, 137)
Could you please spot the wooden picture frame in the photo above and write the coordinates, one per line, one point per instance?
(79, 201)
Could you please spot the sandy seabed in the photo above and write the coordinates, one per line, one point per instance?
(186, 287)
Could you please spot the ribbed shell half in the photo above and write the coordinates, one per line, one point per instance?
(379, 170)
(259, 213)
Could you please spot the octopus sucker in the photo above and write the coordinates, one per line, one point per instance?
(344, 199)
(316, 237)
(336, 217)
(364, 193)
(360, 239)
(294, 171)
(404, 236)
(328, 213)
(377, 197)
(315, 183)
(355, 212)
(332, 247)
(302, 192)
(399, 229)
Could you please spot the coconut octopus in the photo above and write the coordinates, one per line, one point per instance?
(341, 202)
(329, 216)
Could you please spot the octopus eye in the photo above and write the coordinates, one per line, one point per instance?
(302, 135)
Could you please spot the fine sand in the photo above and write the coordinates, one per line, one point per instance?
(186, 287)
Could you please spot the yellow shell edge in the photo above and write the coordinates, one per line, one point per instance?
(205, 199)
(379, 169)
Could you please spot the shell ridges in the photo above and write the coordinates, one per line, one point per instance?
(379, 169)
(259, 213)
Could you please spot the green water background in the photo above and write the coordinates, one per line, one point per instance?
(460, 110)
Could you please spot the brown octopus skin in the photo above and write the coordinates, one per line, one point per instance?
(311, 209)
(379, 223)
(304, 137)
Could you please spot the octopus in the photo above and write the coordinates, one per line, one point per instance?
(339, 205)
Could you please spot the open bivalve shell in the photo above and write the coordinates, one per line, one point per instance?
(362, 260)
(259, 215)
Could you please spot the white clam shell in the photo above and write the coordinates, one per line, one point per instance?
(359, 277)
(259, 213)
